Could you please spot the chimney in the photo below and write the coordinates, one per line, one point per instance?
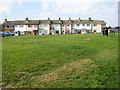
(48, 19)
(89, 18)
(59, 18)
(27, 19)
(69, 18)
(5, 19)
(79, 18)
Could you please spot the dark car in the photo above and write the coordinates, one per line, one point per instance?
(4, 34)
(10, 34)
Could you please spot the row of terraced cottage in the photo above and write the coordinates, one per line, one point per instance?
(43, 27)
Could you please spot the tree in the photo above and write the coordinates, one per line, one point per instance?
(0, 27)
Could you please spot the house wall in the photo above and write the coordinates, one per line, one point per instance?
(67, 27)
(31, 28)
(18, 28)
(44, 27)
(8, 29)
(86, 27)
(97, 28)
(56, 27)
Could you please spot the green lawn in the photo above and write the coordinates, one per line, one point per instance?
(60, 61)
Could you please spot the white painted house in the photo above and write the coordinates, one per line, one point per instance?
(20, 28)
(40, 27)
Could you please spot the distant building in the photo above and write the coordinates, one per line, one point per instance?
(40, 27)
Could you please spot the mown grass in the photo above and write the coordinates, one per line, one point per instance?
(60, 61)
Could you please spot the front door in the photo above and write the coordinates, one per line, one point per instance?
(40, 32)
(35, 32)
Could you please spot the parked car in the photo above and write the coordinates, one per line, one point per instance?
(10, 34)
(4, 34)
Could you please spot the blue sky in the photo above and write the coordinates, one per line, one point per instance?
(106, 10)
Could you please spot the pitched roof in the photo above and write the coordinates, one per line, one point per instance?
(88, 22)
(67, 21)
(56, 22)
(9, 23)
(23, 22)
(44, 22)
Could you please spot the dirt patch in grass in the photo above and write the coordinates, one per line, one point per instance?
(68, 69)
(87, 39)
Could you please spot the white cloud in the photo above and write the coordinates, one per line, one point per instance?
(27, 11)
(68, 8)
(19, 2)
(45, 6)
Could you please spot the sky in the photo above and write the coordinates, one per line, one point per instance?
(106, 10)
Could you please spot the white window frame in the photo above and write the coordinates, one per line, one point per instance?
(21, 26)
(83, 25)
(88, 24)
(95, 24)
(35, 25)
(7, 26)
(29, 26)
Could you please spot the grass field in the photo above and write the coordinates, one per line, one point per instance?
(60, 61)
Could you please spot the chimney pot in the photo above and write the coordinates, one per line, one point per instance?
(89, 18)
(69, 18)
(5, 19)
(48, 18)
(59, 18)
(27, 19)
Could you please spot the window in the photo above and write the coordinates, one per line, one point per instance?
(78, 31)
(16, 25)
(21, 33)
(51, 25)
(63, 25)
(94, 31)
(45, 31)
(87, 31)
(73, 25)
(29, 32)
(21, 26)
(95, 24)
(88, 24)
(7, 26)
(103, 25)
(12, 26)
(35, 25)
(77, 24)
(45, 25)
(29, 25)
(83, 24)
(68, 25)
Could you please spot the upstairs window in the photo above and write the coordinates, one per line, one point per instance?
(29, 26)
(63, 25)
(12, 26)
(73, 25)
(16, 25)
(77, 24)
(45, 25)
(103, 25)
(35, 25)
(21, 26)
(83, 24)
(51, 25)
(7, 26)
(88, 24)
(95, 24)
